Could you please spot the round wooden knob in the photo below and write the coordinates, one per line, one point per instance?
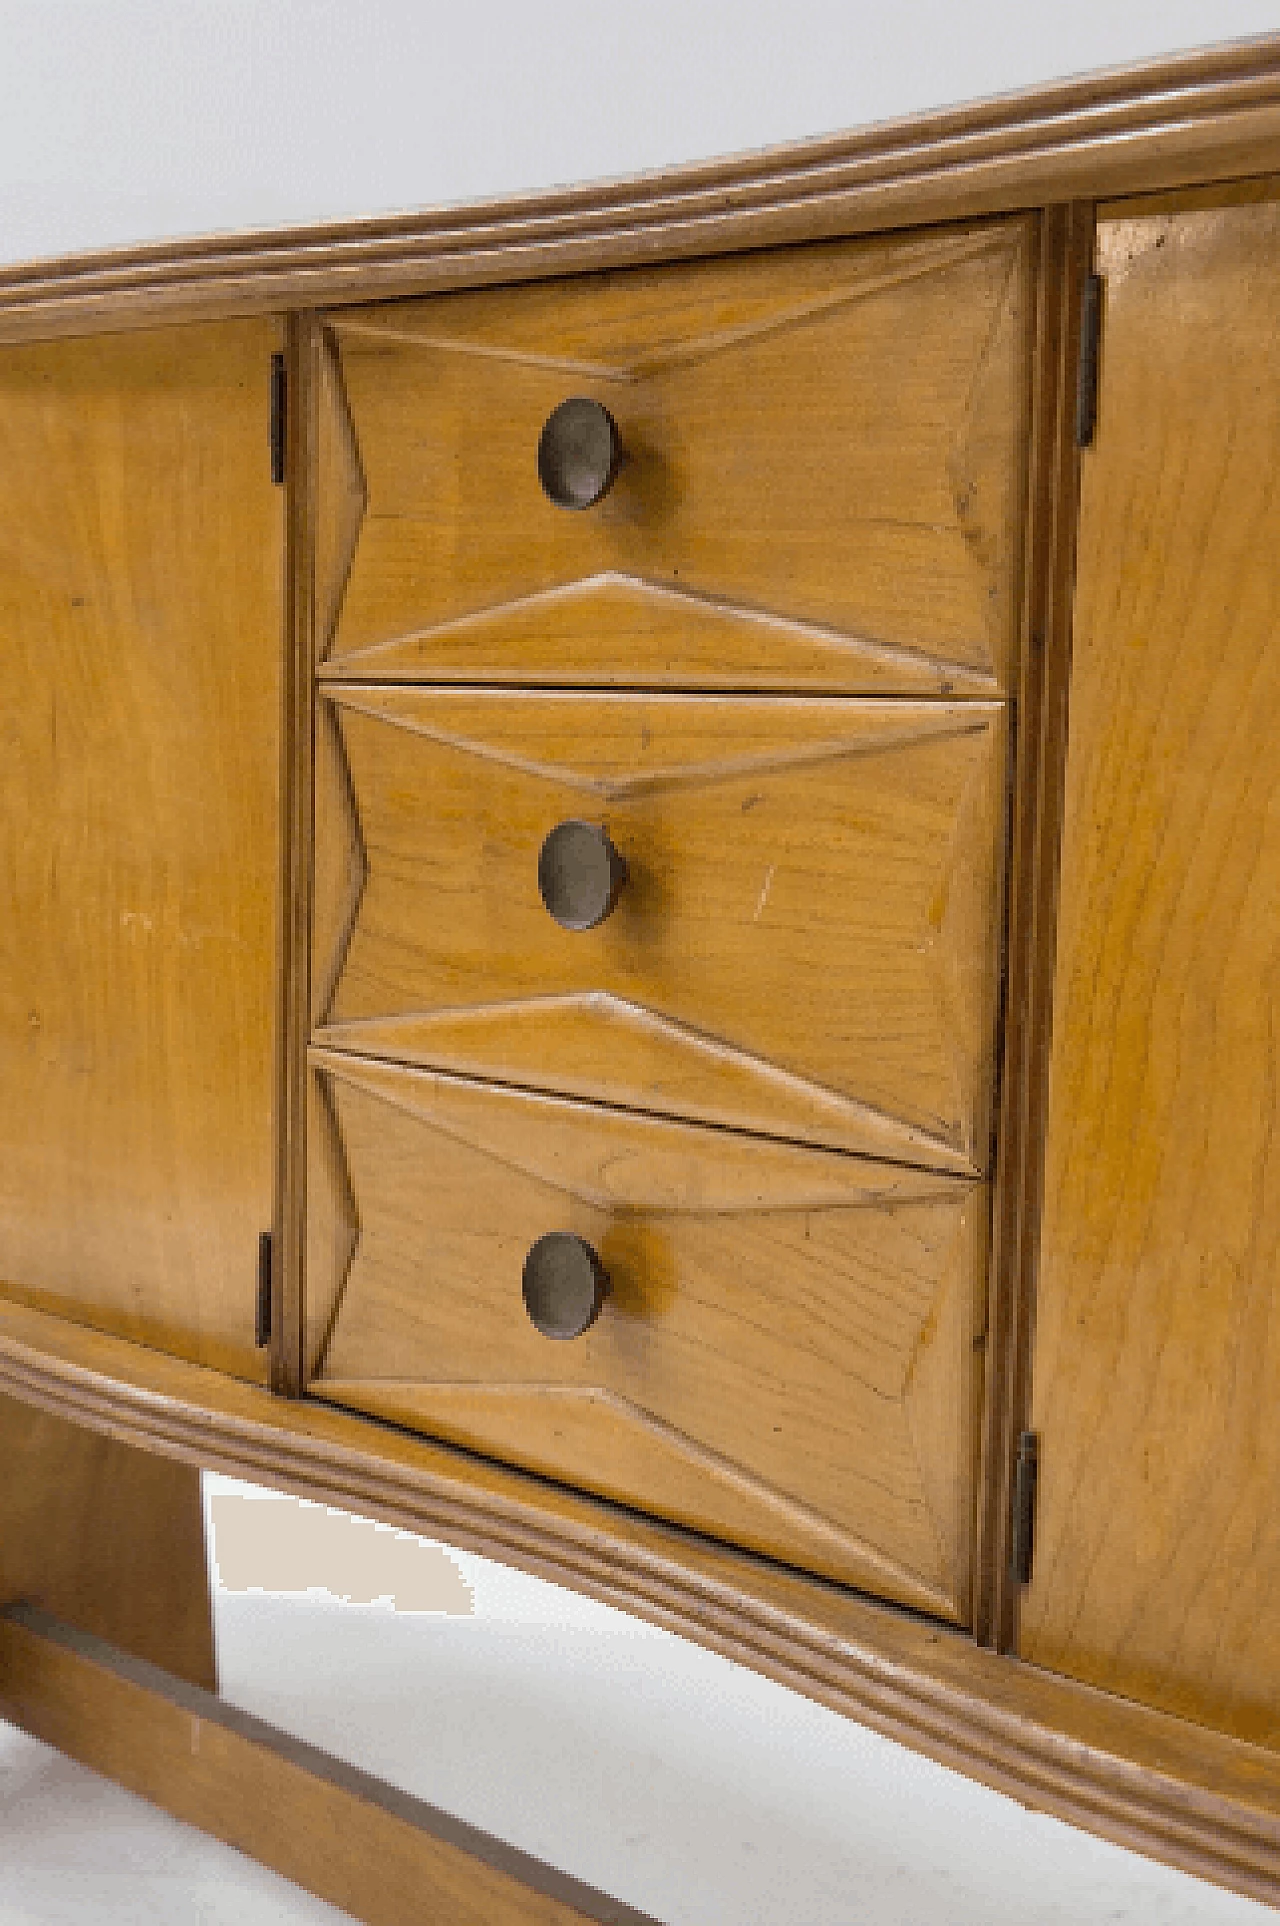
(579, 453)
(564, 1285)
(580, 875)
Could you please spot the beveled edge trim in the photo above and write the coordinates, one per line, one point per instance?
(1191, 1797)
(1190, 118)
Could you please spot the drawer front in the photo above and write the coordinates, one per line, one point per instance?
(806, 943)
(787, 1352)
(821, 485)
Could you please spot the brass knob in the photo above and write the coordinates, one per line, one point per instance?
(564, 1285)
(579, 453)
(580, 874)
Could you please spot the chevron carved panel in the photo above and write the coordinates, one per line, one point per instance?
(825, 462)
(340, 868)
(806, 944)
(786, 1357)
(333, 1226)
(342, 493)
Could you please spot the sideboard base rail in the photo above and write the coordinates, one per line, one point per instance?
(384, 1856)
(1190, 1797)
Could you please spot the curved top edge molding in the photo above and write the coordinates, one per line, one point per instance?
(1188, 119)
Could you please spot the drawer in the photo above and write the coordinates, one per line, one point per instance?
(821, 483)
(806, 943)
(787, 1353)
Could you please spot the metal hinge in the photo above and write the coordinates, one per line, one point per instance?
(262, 1327)
(1022, 1535)
(1090, 353)
(278, 417)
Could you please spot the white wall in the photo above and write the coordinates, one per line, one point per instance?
(125, 120)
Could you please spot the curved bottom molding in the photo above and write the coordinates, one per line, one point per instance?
(1193, 1798)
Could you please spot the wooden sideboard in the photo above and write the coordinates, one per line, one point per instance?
(682, 992)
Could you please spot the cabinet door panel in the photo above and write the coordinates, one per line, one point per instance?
(140, 639)
(1157, 1360)
(787, 1355)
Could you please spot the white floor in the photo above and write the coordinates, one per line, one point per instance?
(673, 1779)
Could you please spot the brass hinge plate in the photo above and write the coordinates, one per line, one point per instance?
(278, 417)
(1090, 355)
(262, 1328)
(1026, 1471)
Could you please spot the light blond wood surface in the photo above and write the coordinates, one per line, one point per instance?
(140, 643)
(1156, 1783)
(825, 452)
(787, 1355)
(1157, 1362)
(107, 1537)
(807, 942)
(385, 1857)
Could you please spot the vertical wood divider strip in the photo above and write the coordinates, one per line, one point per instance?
(1184, 1794)
(302, 349)
(1064, 259)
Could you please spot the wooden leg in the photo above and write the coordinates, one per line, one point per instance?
(386, 1857)
(107, 1538)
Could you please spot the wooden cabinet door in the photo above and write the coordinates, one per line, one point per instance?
(140, 545)
(1157, 1357)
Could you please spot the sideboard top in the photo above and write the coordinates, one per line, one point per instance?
(1186, 119)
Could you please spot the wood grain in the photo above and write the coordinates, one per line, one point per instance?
(107, 1537)
(855, 527)
(1181, 1793)
(139, 634)
(1064, 258)
(807, 944)
(1157, 1362)
(785, 1358)
(384, 1856)
(1202, 116)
